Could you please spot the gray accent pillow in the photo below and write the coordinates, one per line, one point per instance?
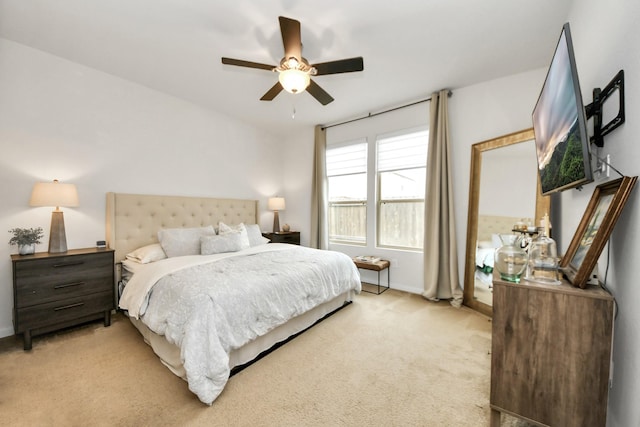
(231, 242)
(224, 229)
(255, 235)
(183, 241)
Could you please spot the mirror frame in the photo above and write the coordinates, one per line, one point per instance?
(543, 203)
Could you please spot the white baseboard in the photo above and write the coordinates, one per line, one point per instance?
(403, 288)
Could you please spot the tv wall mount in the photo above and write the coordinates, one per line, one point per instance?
(595, 109)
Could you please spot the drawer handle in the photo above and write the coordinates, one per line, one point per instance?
(66, 307)
(68, 264)
(68, 285)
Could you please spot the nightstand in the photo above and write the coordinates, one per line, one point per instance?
(54, 291)
(292, 237)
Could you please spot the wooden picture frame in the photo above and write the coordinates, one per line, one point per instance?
(597, 223)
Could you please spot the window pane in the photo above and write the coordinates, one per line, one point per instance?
(348, 222)
(403, 151)
(401, 166)
(401, 224)
(348, 188)
(347, 160)
(347, 178)
(403, 184)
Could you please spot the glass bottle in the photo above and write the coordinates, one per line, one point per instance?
(511, 258)
(543, 259)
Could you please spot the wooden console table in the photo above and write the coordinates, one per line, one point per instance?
(551, 353)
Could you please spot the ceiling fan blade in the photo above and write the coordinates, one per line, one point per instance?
(249, 64)
(318, 93)
(341, 66)
(290, 29)
(272, 93)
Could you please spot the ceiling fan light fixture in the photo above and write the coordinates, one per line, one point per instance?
(294, 70)
(294, 80)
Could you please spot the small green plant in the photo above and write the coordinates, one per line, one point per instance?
(26, 236)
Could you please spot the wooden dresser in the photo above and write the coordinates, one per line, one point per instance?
(54, 291)
(551, 353)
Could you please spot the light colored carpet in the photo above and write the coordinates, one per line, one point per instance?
(392, 359)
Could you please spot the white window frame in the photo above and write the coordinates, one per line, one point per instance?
(380, 201)
(363, 202)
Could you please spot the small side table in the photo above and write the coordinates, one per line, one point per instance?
(378, 266)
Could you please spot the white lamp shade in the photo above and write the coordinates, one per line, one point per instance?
(54, 194)
(294, 81)
(276, 204)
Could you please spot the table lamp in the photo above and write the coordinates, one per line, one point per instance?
(276, 204)
(55, 194)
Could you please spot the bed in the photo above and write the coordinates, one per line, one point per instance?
(198, 319)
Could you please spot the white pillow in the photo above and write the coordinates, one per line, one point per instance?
(183, 241)
(130, 267)
(231, 242)
(146, 254)
(240, 229)
(255, 235)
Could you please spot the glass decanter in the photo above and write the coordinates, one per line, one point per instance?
(510, 258)
(543, 260)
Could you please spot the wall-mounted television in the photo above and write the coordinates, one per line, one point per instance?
(559, 124)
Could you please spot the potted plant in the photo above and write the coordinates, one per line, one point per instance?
(26, 239)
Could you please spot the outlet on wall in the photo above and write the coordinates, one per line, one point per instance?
(602, 169)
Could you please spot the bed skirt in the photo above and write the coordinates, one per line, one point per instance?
(169, 353)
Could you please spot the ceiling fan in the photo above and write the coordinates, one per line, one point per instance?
(295, 71)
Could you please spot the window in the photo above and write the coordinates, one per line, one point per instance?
(401, 170)
(347, 176)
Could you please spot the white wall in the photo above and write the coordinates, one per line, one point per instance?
(61, 120)
(606, 39)
(296, 164)
(500, 194)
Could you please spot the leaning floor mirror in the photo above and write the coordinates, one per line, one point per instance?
(504, 191)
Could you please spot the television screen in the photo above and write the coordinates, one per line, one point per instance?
(559, 124)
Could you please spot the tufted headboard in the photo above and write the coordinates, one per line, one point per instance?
(493, 224)
(133, 220)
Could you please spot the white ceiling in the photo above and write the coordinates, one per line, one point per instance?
(411, 48)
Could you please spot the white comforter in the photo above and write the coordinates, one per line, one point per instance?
(211, 305)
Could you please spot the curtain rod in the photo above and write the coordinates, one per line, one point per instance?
(381, 112)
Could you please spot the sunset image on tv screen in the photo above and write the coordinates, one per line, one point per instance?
(557, 131)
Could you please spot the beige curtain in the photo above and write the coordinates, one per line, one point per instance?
(319, 200)
(440, 251)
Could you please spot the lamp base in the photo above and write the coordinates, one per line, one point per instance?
(276, 222)
(57, 236)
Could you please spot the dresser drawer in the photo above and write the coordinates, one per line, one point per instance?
(293, 238)
(55, 290)
(47, 280)
(62, 311)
